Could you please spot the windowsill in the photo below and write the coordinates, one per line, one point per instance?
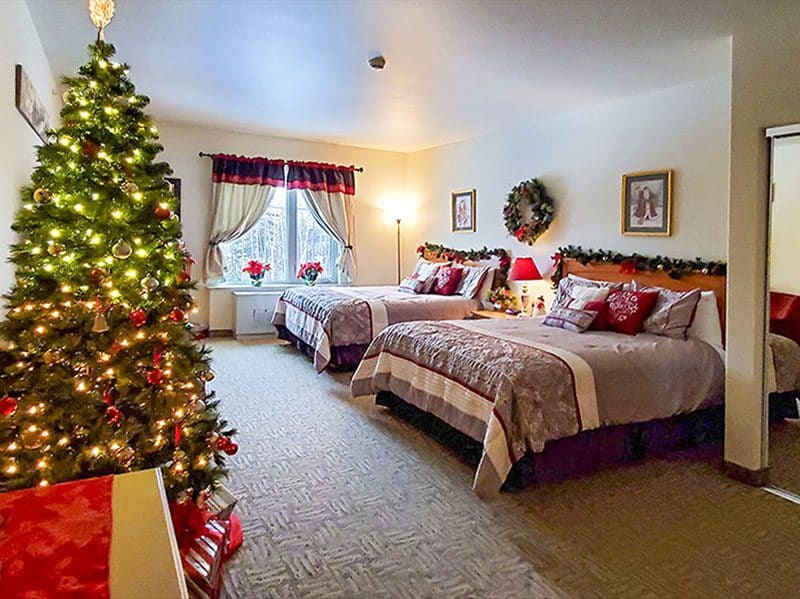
(265, 287)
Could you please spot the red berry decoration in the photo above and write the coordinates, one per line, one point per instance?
(138, 317)
(177, 315)
(162, 213)
(113, 414)
(8, 405)
(155, 377)
(231, 447)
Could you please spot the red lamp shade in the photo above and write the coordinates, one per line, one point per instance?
(524, 269)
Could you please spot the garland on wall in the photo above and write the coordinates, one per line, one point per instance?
(484, 253)
(533, 195)
(633, 263)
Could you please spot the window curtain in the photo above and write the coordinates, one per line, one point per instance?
(241, 191)
(330, 191)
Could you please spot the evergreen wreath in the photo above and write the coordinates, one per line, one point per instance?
(533, 195)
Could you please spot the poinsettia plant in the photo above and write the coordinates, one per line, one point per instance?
(309, 272)
(257, 269)
(501, 298)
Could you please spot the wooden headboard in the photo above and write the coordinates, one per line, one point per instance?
(603, 271)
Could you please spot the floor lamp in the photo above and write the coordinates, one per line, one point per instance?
(398, 250)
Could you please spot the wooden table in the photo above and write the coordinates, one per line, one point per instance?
(483, 314)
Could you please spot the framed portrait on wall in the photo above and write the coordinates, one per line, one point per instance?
(647, 203)
(29, 105)
(462, 211)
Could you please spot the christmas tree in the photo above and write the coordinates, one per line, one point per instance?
(99, 374)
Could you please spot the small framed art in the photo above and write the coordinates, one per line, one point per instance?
(29, 105)
(462, 211)
(647, 203)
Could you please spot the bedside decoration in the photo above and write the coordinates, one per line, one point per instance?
(524, 269)
(539, 307)
(462, 211)
(501, 298)
(309, 272)
(633, 263)
(447, 253)
(257, 270)
(647, 203)
(29, 105)
(530, 196)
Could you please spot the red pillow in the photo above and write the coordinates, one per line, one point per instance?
(600, 322)
(447, 280)
(627, 310)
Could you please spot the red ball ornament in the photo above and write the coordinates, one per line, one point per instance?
(155, 376)
(113, 414)
(138, 317)
(90, 149)
(162, 213)
(8, 405)
(177, 315)
(97, 275)
(231, 447)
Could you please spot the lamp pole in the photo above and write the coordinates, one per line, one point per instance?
(398, 250)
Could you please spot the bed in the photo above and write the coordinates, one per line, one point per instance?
(334, 325)
(517, 387)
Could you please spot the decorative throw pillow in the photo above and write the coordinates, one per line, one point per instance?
(707, 326)
(447, 280)
(412, 284)
(426, 271)
(600, 322)
(488, 283)
(580, 296)
(673, 313)
(471, 280)
(566, 284)
(627, 310)
(567, 318)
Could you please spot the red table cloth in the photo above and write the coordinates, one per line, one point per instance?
(55, 541)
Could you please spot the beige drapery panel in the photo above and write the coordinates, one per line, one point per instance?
(333, 211)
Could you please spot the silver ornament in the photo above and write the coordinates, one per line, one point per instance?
(150, 283)
(121, 250)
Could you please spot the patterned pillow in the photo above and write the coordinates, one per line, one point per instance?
(412, 284)
(580, 296)
(627, 310)
(566, 284)
(673, 313)
(567, 318)
(471, 280)
(447, 280)
(426, 271)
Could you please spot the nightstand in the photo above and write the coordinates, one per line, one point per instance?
(483, 314)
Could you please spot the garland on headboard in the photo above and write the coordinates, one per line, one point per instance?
(633, 263)
(441, 251)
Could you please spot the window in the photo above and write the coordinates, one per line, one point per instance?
(285, 237)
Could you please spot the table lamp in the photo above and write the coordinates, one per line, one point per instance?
(524, 269)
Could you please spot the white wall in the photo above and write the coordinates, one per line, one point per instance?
(381, 184)
(784, 266)
(19, 44)
(581, 158)
(765, 83)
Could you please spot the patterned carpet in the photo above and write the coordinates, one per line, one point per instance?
(339, 498)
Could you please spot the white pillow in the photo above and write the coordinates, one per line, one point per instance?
(706, 325)
(487, 285)
(471, 281)
(426, 271)
(583, 295)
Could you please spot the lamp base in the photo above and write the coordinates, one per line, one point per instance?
(525, 299)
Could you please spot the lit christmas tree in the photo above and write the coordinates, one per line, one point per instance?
(99, 374)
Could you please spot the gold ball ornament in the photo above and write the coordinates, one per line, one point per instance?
(198, 406)
(129, 187)
(42, 196)
(31, 437)
(124, 455)
(56, 249)
(207, 376)
(149, 283)
(121, 250)
(51, 356)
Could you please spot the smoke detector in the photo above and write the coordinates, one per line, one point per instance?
(377, 62)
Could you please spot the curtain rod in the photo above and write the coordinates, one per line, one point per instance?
(359, 169)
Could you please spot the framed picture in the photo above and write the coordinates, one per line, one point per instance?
(29, 105)
(647, 203)
(176, 191)
(462, 211)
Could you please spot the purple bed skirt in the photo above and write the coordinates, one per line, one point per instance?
(585, 452)
(343, 357)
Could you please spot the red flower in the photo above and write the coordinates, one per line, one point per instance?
(556, 258)
(307, 268)
(255, 268)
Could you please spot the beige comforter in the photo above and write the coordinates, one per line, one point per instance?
(515, 384)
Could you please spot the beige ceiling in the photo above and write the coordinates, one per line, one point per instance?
(455, 69)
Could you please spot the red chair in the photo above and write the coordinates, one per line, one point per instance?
(784, 315)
